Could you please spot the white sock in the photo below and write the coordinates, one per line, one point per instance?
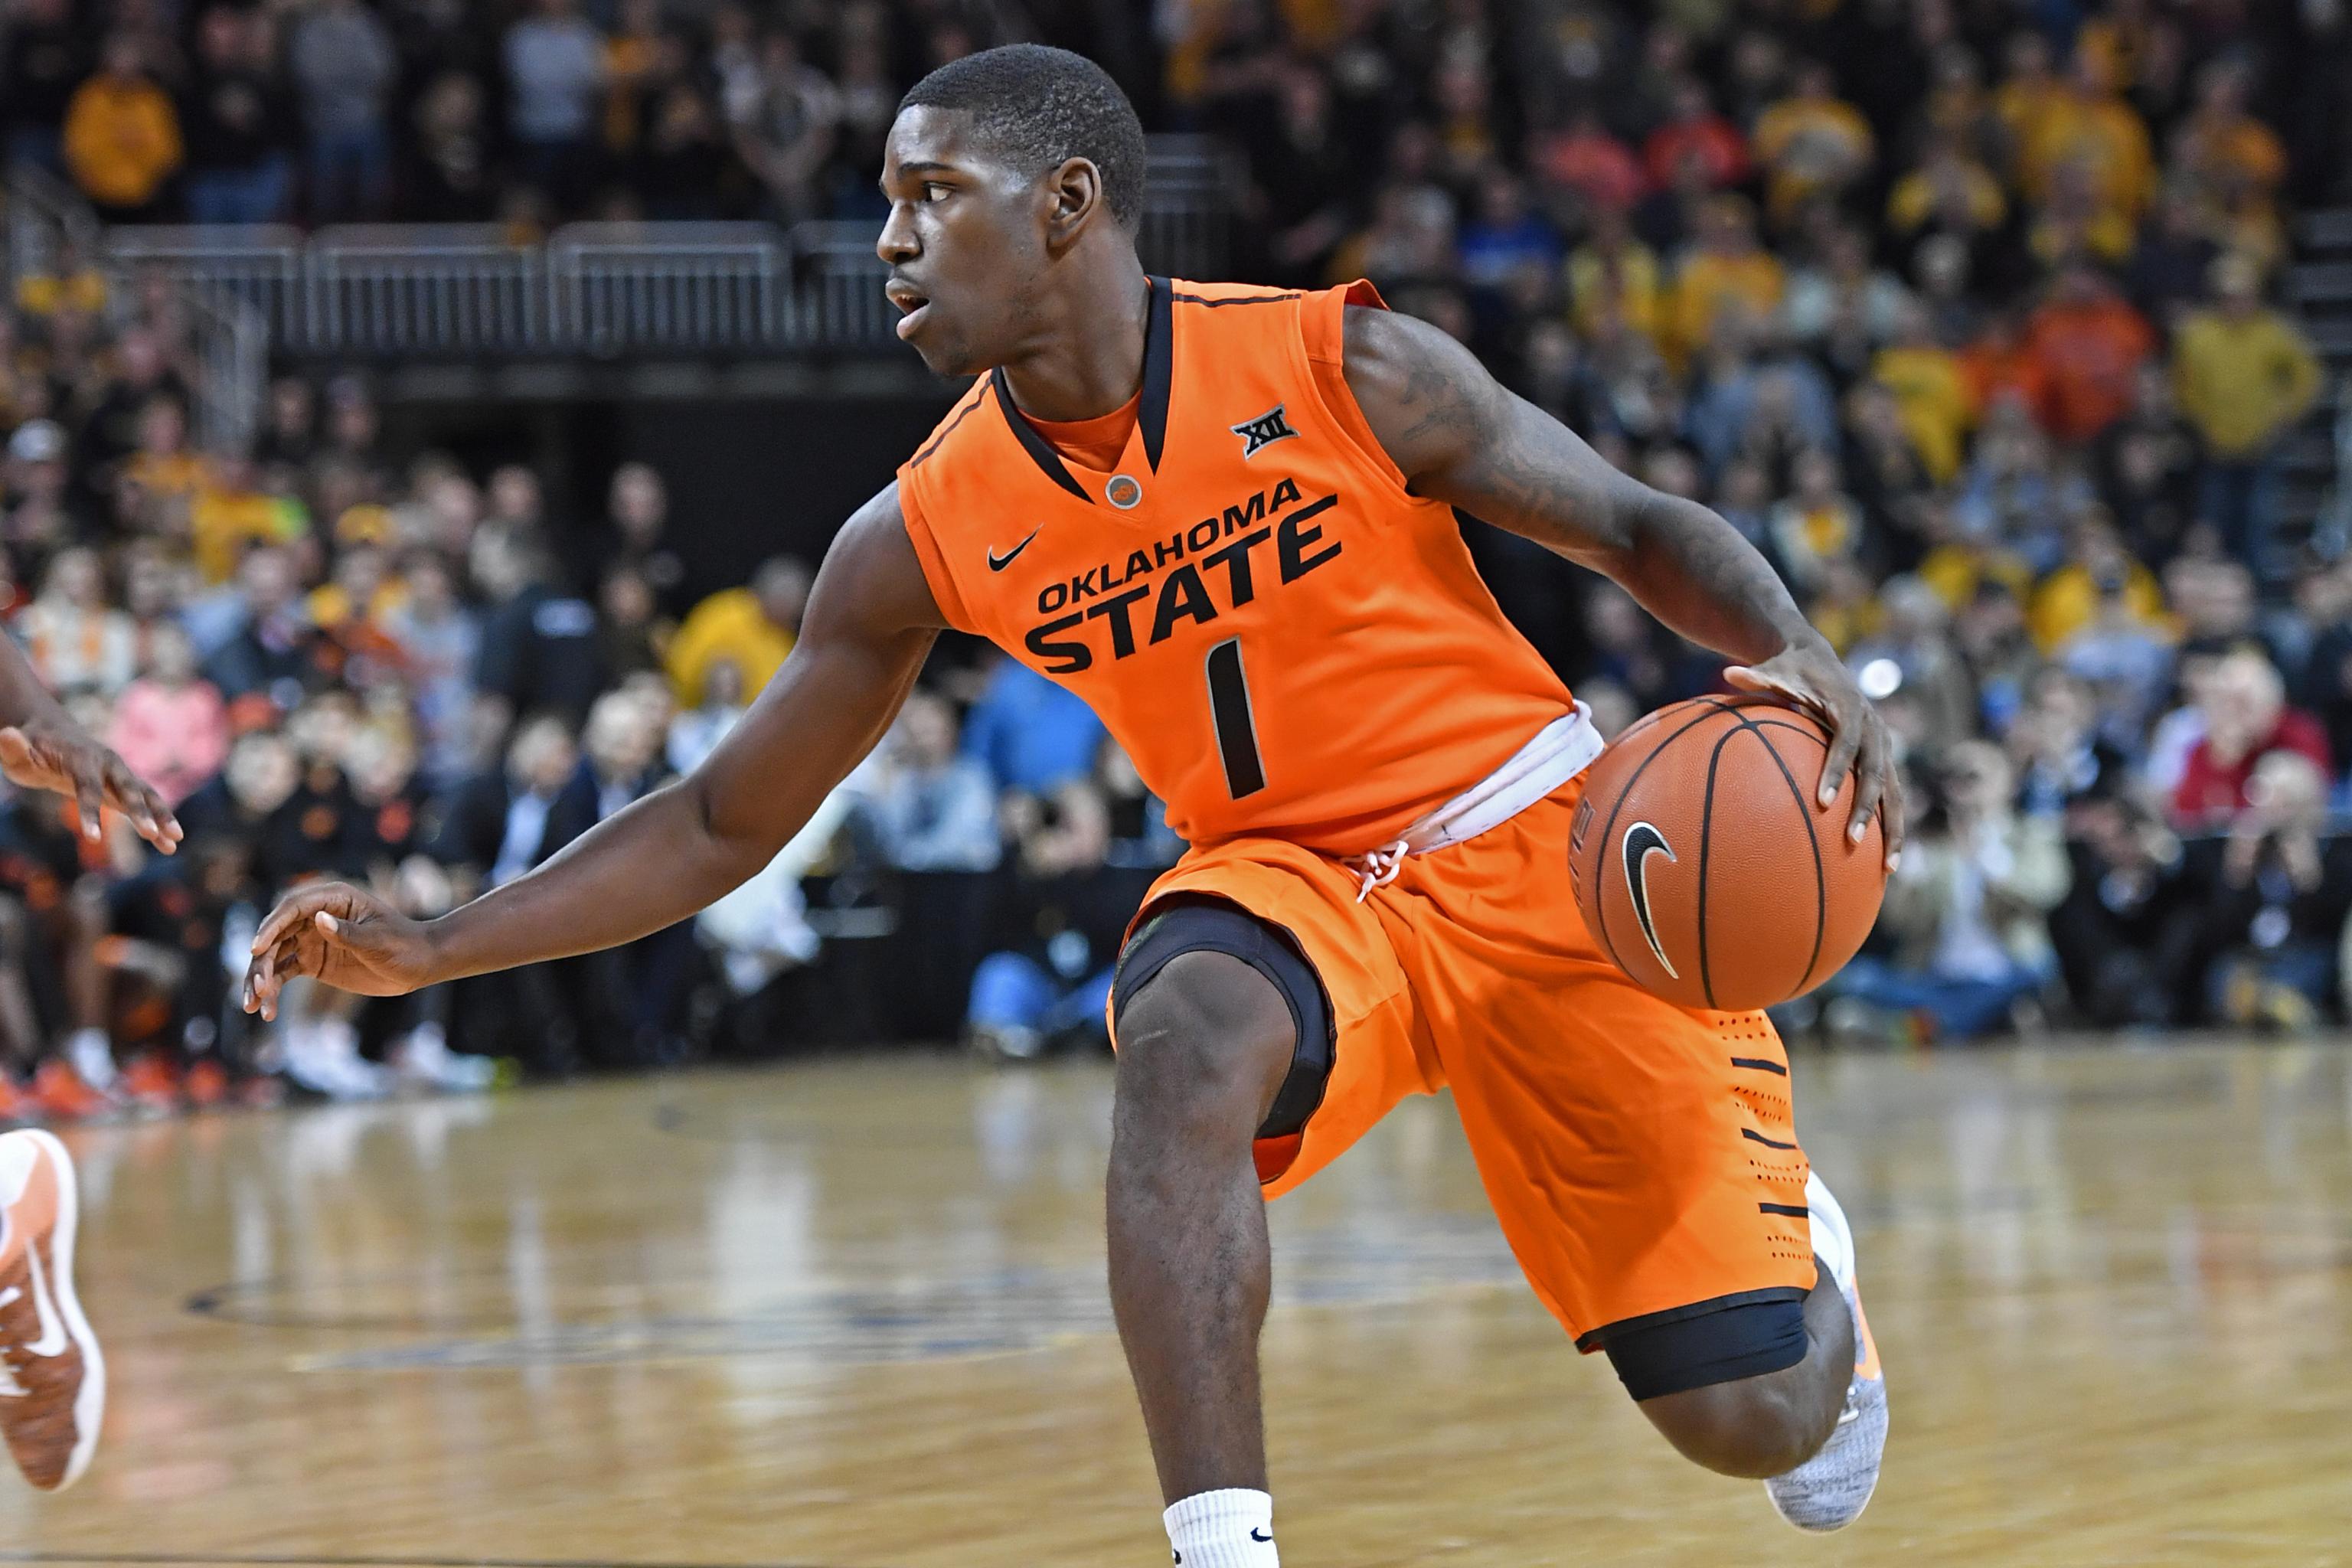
(1832, 1236)
(92, 1054)
(1230, 1528)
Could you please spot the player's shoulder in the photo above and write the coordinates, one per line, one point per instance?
(950, 424)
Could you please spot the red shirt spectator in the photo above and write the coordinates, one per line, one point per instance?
(2088, 345)
(1586, 159)
(2246, 719)
(1695, 127)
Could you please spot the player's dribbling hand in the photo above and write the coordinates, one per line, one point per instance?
(342, 935)
(1813, 677)
(40, 754)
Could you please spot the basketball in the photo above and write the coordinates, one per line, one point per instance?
(1704, 865)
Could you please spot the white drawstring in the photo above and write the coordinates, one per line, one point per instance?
(1380, 867)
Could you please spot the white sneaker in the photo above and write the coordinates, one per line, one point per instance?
(52, 1375)
(324, 1058)
(425, 1058)
(1830, 1491)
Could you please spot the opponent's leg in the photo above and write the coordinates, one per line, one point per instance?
(1204, 1046)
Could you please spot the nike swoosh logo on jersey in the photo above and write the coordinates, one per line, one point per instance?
(1263, 1535)
(999, 562)
(1642, 840)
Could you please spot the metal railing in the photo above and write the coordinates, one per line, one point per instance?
(467, 291)
(51, 228)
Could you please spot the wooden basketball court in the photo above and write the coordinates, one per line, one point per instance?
(852, 1316)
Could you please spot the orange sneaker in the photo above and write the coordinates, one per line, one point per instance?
(207, 1084)
(153, 1082)
(52, 1376)
(63, 1096)
(16, 1105)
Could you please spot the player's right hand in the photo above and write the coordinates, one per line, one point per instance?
(342, 935)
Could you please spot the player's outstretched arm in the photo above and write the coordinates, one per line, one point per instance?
(42, 748)
(1462, 437)
(870, 622)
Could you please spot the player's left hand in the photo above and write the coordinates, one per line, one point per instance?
(43, 753)
(1811, 677)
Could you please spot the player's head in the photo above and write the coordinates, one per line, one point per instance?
(1003, 166)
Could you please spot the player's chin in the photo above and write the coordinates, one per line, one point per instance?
(944, 353)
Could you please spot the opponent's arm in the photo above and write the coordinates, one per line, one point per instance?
(871, 620)
(42, 748)
(1462, 437)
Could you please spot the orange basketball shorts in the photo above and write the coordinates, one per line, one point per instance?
(1640, 1155)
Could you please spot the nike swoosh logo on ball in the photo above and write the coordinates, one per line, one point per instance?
(1642, 840)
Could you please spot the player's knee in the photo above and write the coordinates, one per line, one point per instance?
(1204, 1045)
(1756, 1427)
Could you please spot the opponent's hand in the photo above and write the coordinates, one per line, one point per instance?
(1811, 677)
(345, 936)
(48, 755)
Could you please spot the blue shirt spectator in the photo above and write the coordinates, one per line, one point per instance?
(1033, 734)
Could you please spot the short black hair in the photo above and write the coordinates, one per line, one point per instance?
(1042, 106)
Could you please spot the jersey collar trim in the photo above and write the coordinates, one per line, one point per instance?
(1151, 415)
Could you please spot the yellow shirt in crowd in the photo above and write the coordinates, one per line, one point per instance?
(1710, 282)
(2106, 134)
(2068, 600)
(121, 140)
(1934, 398)
(728, 626)
(1789, 134)
(2240, 381)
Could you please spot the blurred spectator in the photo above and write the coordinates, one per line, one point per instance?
(2246, 375)
(750, 628)
(2246, 719)
(240, 162)
(1812, 143)
(539, 643)
(555, 76)
(122, 135)
(2086, 344)
(2126, 898)
(43, 59)
(76, 641)
(1968, 907)
(171, 724)
(2270, 902)
(696, 731)
(1062, 923)
(1033, 734)
(933, 809)
(345, 67)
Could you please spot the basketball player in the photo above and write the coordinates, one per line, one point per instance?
(1222, 515)
(52, 1378)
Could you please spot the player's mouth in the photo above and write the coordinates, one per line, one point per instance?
(911, 302)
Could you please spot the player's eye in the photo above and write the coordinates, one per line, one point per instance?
(933, 191)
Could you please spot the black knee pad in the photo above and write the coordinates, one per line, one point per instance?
(1672, 1353)
(1212, 925)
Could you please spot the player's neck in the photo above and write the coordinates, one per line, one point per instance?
(1086, 359)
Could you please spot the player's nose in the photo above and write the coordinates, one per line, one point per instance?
(898, 243)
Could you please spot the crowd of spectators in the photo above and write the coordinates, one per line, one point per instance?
(1959, 309)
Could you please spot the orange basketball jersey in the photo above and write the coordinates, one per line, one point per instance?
(1284, 640)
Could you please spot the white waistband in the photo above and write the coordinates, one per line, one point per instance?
(1557, 753)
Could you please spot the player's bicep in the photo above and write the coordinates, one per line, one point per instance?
(870, 622)
(1461, 436)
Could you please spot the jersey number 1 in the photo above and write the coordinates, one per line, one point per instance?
(1229, 711)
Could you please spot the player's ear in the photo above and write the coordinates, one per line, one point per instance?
(1074, 191)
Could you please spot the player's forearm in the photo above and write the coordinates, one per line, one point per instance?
(1692, 570)
(21, 695)
(647, 867)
